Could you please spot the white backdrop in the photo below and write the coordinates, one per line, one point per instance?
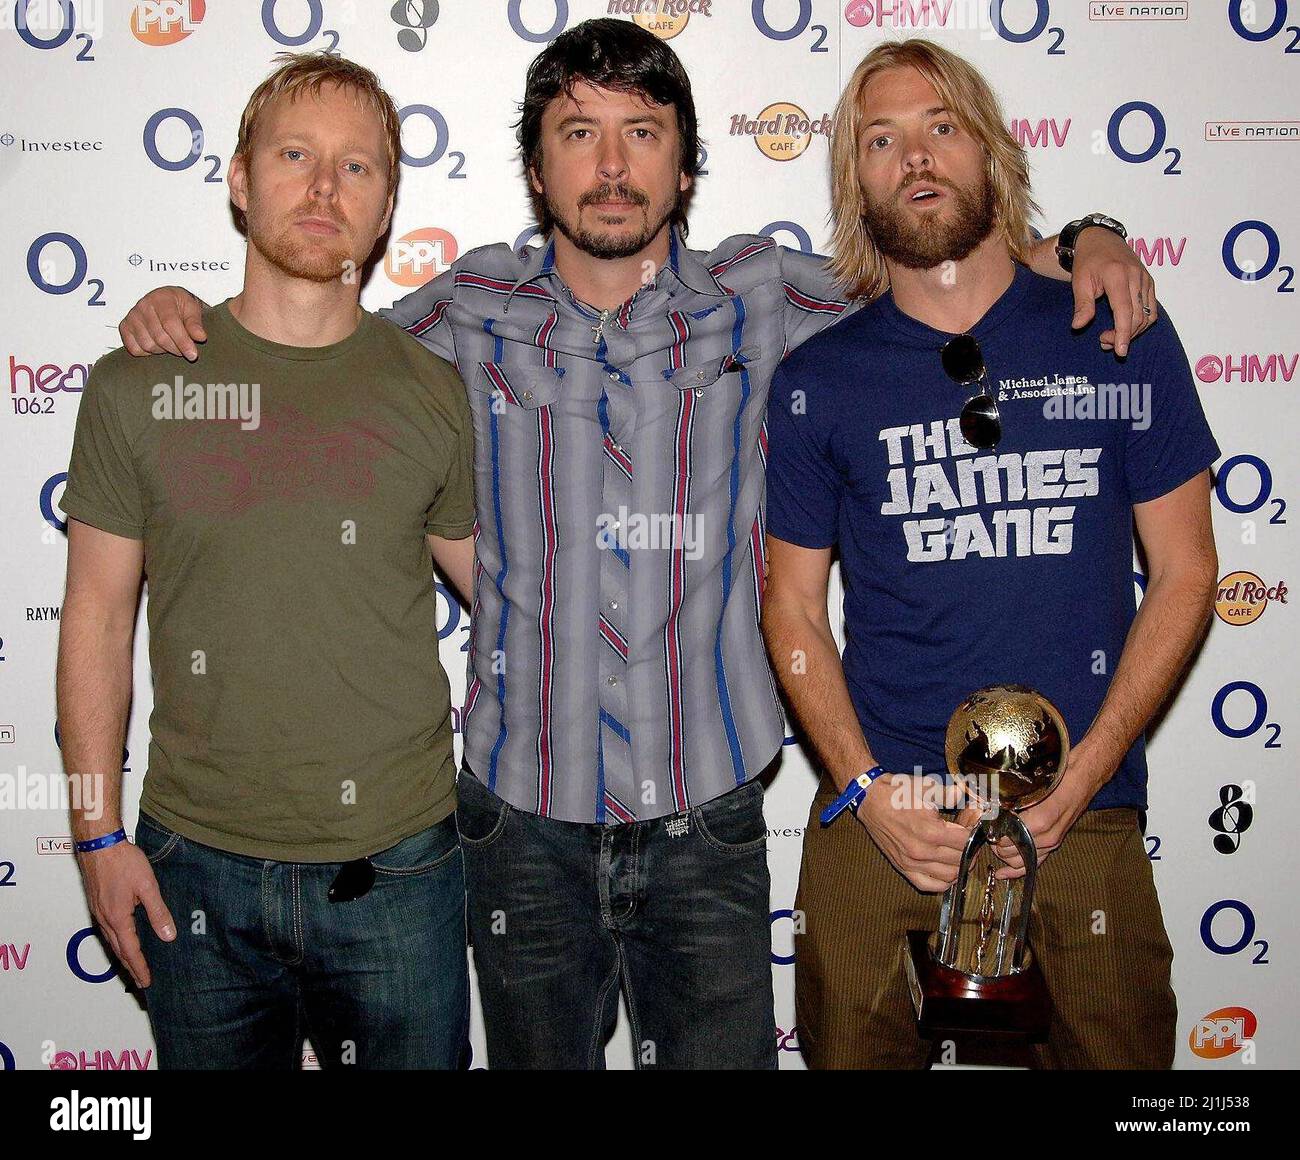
(118, 122)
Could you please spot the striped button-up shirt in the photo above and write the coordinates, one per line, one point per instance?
(616, 670)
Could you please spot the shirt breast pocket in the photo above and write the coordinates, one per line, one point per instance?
(514, 388)
(718, 374)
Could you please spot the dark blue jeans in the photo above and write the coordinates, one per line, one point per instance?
(262, 958)
(673, 912)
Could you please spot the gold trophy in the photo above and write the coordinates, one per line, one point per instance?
(1006, 746)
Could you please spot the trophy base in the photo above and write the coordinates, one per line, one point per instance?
(949, 1002)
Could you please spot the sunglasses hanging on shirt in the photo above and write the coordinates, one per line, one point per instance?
(963, 362)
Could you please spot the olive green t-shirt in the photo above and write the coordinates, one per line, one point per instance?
(300, 710)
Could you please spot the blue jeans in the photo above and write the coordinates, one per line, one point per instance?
(674, 912)
(262, 958)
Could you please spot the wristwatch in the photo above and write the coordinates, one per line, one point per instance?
(1069, 235)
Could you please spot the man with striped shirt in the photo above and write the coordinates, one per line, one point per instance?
(620, 708)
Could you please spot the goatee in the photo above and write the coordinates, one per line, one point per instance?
(921, 243)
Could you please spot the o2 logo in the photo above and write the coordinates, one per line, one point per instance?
(1263, 490)
(776, 916)
(1258, 718)
(514, 13)
(449, 623)
(530, 236)
(126, 753)
(1250, 271)
(52, 276)
(1238, 10)
(414, 18)
(66, 30)
(1042, 17)
(48, 489)
(441, 137)
(802, 241)
(193, 151)
(74, 959)
(802, 23)
(271, 15)
(1245, 938)
(7, 1061)
(1159, 134)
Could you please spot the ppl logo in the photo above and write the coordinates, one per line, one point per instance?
(537, 35)
(420, 255)
(1047, 133)
(128, 1059)
(802, 23)
(1256, 271)
(1158, 251)
(1243, 596)
(1245, 18)
(782, 131)
(898, 13)
(1126, 120)
(57, 264)
(1222, 1033)
(1246, 368)
(159, 23)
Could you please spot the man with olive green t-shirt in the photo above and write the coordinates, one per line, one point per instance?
(296, 854)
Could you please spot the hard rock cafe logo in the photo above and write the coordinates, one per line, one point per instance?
(159, 23)
(1242, 597)
(665, 18)
(420, 255)
(782, 131)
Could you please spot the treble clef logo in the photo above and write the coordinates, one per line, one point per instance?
(1231, 819)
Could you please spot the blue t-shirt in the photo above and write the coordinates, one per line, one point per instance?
(965, 568)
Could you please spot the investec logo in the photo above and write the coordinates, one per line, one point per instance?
(781, 131)
(159, 23)
(1223, 1032)
(420, 255)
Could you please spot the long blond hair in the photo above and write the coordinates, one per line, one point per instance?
(855, 258)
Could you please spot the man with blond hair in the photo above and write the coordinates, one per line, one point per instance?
(296, 855)
(619, 712)
(985, 535)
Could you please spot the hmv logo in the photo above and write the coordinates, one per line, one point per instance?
(1047, 133)
(1158, 251)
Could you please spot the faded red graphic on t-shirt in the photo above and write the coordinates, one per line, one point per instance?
(215, 468)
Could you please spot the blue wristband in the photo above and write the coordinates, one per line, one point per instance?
(102, 842)
(852, 796)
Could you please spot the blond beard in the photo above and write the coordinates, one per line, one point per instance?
(321, 260)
